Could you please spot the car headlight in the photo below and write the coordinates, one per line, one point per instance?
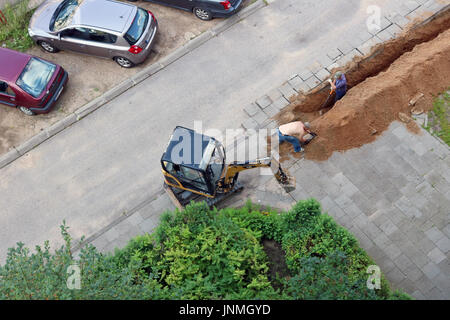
(30, 32)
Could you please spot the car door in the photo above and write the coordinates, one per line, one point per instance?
(7, 95)
(181, 4)
(101, 43)
(73, 39)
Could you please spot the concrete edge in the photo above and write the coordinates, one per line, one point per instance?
(81, 242)
(116, 91)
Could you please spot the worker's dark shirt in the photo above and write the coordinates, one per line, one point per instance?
(341, 87)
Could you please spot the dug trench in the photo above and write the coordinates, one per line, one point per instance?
(380, 88)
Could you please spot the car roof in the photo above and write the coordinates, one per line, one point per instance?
(12, 64)
(105, 14)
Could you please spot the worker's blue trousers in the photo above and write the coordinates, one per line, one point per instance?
(293, 140)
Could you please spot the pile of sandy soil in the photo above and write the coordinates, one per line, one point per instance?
(381, 88)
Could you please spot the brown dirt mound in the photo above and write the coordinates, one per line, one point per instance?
(380, 86)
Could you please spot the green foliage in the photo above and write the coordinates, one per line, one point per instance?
(200, 253)
(438, 118)
(327, 278)
(43, 275)
(14, 34)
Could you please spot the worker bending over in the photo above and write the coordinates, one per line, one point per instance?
(290, 131)
(339, 85)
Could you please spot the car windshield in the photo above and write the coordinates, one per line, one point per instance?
(65, 13)
(137, 27)
(35, 76)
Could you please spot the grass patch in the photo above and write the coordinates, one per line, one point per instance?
(438, 118)
(14, 34)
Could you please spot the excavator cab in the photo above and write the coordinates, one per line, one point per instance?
(194, 169)
(193, 162)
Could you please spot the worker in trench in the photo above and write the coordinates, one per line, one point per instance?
(339, 85)
(290, 131)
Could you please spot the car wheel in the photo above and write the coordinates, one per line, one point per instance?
(124, 62)
(48, 47)
(203, 14)
(27, 111)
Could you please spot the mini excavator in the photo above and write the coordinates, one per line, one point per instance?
(195, 169)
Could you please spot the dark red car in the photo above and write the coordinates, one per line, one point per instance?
(29, 83)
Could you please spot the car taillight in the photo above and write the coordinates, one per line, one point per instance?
(135, 49)
(226, 4)
(150, 13)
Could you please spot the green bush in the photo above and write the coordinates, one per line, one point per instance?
(14, 34)
(200, 253)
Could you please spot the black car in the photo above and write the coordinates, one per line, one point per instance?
(204, 9)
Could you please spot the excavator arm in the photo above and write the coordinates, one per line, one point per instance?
(282, 176)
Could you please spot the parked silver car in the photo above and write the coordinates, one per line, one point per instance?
(105, 28)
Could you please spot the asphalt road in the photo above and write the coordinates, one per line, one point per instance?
(104, 165)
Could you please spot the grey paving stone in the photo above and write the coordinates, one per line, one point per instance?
(436, 255)
(382, 241)
(364, 35)
(299, 85)
(334, 53)
(411, 5)
(425, 245)
(315, 67)
(343, 61)
(395, 275)
(287, 90)
(385, 35)
(403, 263)
(260, 117)
(443, 244)
(312, 82)
(392, 251)
(249, 123)
(263, 101)
(274, 94)
(323, 74)
(436, 294)
(345, 47)
(336, 213)
(367, 46)
(425, 285)
(413, 272)
(363, 203)
(271, 111)
(280, 103)
(431, 270)
(388, 227)
(305, 74)
(352, 211)
(434, 234)
(400, 21)
(251, 109)
(332, 66)
(343, 201)
(442, 281)
(418, 295)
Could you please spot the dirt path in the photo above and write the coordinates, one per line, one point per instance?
(381, 86)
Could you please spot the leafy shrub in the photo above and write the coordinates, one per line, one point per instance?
(14, 34)
(200, 253)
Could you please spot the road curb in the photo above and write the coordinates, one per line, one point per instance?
(116, 91)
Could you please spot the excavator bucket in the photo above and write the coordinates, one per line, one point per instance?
(286, 180)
